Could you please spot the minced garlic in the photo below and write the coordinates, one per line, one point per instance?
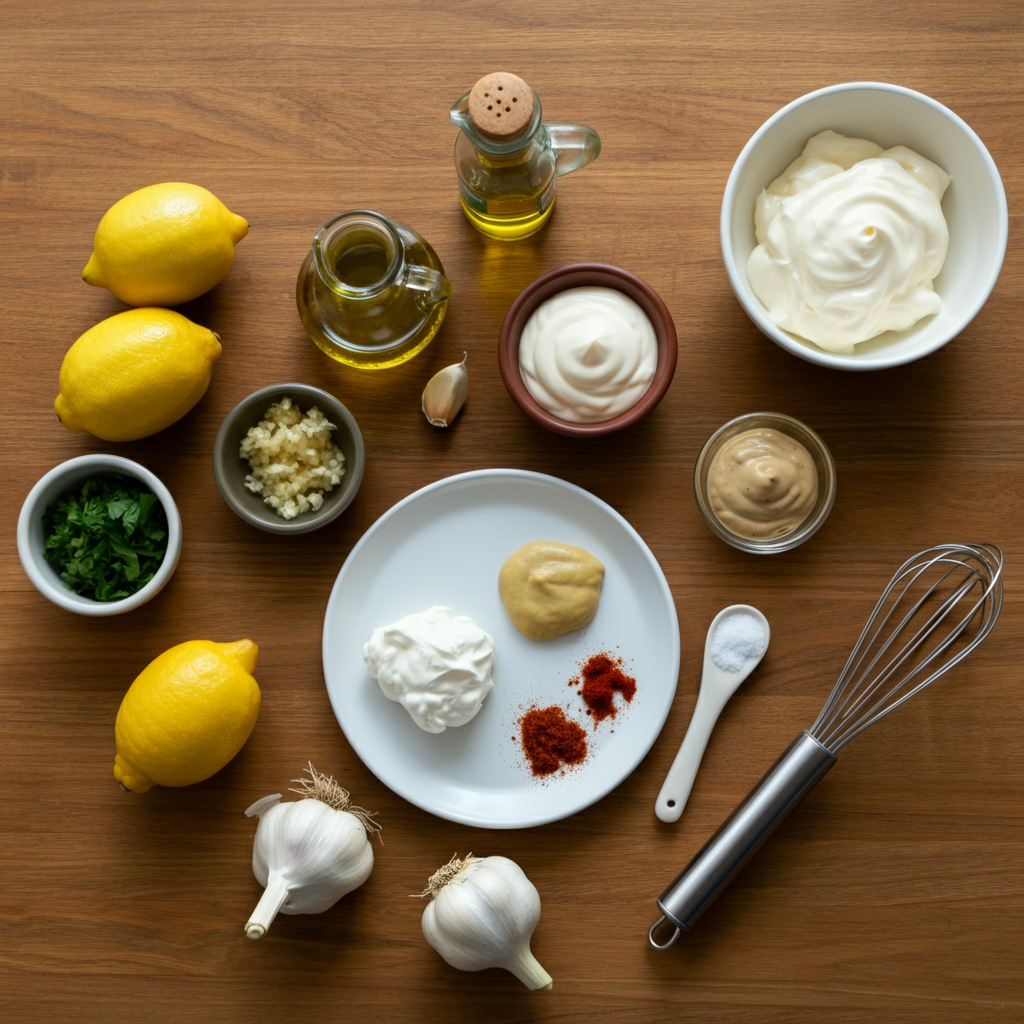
(292, 458)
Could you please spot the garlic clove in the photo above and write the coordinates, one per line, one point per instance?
(445, 394)
(263, 805)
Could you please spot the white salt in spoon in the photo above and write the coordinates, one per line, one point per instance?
(733, 649)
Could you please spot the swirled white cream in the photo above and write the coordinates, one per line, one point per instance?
(437, 665)
(851, 237)
(588, 354)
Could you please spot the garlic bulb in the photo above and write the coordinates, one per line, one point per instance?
(445, 393)
(482, 913)
(308, 853)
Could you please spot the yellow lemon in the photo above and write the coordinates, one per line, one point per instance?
(135, 373)
(186, 715)
(164, 245)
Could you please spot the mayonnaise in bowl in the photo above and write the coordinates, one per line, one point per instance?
(850, 239)
(588, 354)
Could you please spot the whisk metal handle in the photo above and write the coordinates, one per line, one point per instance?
(791, 778)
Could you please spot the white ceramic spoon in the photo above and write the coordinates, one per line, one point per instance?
(716, 687)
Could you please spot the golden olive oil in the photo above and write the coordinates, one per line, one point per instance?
(362, 263)
(507, 226)
(371, 294)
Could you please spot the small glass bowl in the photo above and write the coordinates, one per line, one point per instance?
(823, 464)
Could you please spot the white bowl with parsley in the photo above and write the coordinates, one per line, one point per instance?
(99, 535)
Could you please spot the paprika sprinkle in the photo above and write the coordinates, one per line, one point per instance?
(551, 740)
(602, 678)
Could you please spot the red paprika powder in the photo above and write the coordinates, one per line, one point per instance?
(602, 679)
(551, 740)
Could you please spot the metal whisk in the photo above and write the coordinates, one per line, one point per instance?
(938, 607)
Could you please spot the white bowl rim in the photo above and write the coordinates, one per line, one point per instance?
(835, 360)
(68, 599)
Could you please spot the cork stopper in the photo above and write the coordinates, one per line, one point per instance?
(500, 105)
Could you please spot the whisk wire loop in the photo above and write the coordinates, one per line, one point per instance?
(868, 688)
(860, 697)
(861, 650)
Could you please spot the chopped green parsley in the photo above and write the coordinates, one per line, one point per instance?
(107, 539)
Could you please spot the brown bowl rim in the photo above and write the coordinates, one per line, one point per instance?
(577, 275)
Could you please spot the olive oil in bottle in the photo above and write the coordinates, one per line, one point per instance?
(371, 293)
(507, 160)
(363, 262)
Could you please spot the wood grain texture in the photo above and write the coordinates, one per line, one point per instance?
(893, 894)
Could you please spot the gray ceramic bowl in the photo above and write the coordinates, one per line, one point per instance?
(70, 476)
(230, 468)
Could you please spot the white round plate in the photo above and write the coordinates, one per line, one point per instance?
(444, 545)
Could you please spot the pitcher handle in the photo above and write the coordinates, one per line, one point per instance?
(432, 283)
(575, 146)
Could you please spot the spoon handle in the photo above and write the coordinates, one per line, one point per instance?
(676, 789)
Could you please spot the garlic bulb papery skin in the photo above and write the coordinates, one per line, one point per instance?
(308, 853)
(445, 394)
(482, 913)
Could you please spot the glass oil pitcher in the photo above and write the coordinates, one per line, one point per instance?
(371, 293)
(507, 160)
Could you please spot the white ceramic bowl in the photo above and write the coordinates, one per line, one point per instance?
(31, 542)
(974, 206)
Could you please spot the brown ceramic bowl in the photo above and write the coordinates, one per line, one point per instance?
(586, 275)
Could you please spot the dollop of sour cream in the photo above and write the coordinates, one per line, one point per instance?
(850, 239)
(434, 663)
(588, 354)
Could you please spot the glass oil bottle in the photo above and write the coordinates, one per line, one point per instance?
(507, 160)
(371, 293)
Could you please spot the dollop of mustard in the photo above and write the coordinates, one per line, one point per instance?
(762, 483)
(550, 588)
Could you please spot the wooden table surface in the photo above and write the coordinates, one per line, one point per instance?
(893, 894)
